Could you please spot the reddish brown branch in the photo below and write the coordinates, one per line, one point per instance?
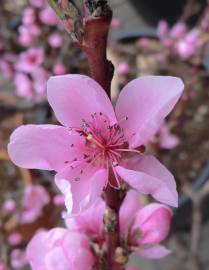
(94, 44)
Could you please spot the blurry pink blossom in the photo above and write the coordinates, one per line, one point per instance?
(48, 16)
(29, 60)
(123, 69)
(34, 200)
(8, 206)
(28, 16)
(59, 69)
(26, 38)
(90, 149)
(178, 30)
(40, 77)
(146, 227)
(6, 68)
(143, 43)
(115, 23)
(60, 249)
(59, 200)
(15, 239)
(2, 265)
(167, 140)
(38, 3)
(18, 258)
(55, 40)
(162, 29)
(23, 85)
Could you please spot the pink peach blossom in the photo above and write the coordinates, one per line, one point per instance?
(48, 16)
(38, 3)
(146, 227)
(115, 23)
(55, 40)
(91, 149)
(178, 30)
(18, 258)
(59, 200)
(34, 200)
(162, 29)
(59, 69)
(2, 265)
(8, 206)
(15, 239)
(28, 16)
(23, 85)
(60, 249)
(26, 38)
(123, 69)
(30, 60)
(40, 77)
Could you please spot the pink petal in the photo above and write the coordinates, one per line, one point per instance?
(128, 210)
(36, 250)
(145, 102)
(75, 97)
(155, 252)
(83, 193)
(42, 146)
(77, 249)
(154, 222)
(55, 259)
(147, 175)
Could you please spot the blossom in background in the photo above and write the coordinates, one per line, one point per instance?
(96, 146)
(55, 40)
(144, 227)
(18, 258)
(15, 239)
(8, 206)
(34, 200)
(29, 60)
(24, 87)
(123, 69)
(60, 249)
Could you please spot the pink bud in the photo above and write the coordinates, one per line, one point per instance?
(9, 206)
(59, 200)
(15, 239)
(123, 69)
(28, 16)
(59, 69)
(55, 40)
(178, 30)
(48, 16)
(116, 23)
(18, 258)
(162, 29)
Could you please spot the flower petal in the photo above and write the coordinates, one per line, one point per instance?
(145, 102)
(45, 147)
(149, 221)
(76, 97)
(128, 210)
(155, 252)
(81, 194)
(147, 175)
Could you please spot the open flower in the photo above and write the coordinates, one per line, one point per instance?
(60, 249)
(34, 200)
(97, 146)
(142, 228)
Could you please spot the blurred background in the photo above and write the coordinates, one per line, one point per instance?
(147, 37)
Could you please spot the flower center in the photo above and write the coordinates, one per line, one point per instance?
(106, 145)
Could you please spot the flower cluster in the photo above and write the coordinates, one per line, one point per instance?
(180, 40)
(98, 146)
(40, 37)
